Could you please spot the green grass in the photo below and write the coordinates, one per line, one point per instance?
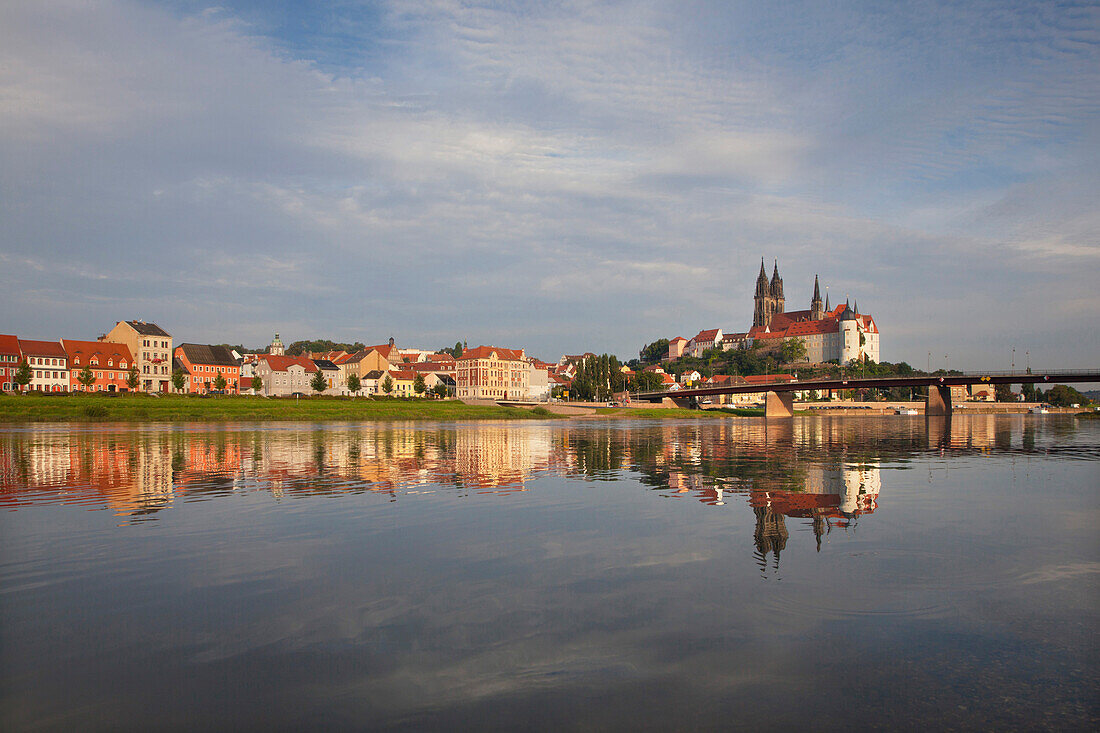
(176, 408)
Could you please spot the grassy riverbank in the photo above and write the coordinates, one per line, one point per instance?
(178, 408)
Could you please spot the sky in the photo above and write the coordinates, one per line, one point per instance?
(559, 177)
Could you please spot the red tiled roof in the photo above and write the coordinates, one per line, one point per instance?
(483, 352)
(85, 350)
(433, 366)
(807, 328)
(41, 348)
(407, 375)
(709, 335)
(388, 352)
(678, 338)
(9, 344)
(282, 363)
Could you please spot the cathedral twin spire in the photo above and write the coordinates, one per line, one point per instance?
(769, 299)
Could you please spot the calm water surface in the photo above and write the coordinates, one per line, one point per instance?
(826, 573)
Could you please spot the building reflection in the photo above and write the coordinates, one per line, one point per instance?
(823, 472)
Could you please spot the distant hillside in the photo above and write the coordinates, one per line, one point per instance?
(1093, 394)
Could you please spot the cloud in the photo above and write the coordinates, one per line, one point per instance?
(492, 169)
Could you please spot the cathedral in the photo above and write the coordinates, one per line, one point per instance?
(842, 333)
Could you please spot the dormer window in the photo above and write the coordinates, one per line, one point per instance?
(110, 362)
(95, 362)
(122, 365)
(76, 360)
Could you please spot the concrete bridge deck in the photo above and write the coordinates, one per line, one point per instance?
(779, 396)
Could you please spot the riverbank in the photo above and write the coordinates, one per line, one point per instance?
(228, 408)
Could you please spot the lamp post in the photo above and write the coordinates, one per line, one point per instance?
(1013, 358)
(1028, 355)
(946, 364)
(929, 368)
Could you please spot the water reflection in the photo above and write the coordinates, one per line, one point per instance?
(583, 573)
(821, 470)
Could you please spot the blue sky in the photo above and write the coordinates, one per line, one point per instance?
(558, 177)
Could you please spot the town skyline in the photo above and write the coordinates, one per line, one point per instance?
(589, 177)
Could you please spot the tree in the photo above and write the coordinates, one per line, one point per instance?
(457, 352)
(318, 382)
(654, 352)
(1062, 395)
(1004, 393)
(647, 382)
(133, 379)
(178, 380)
(257, 384)
(418, 384)
(354, 383)
(23, 374)
(792, 350)
(387, 384)
(598, 377)
(219, 382)
(440, 390)
(301, 347)
(86, 378)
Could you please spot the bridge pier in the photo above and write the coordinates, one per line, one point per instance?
(939, 400)
(779, 404)
(684, 402)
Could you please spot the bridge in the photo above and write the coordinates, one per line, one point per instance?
(779, 396)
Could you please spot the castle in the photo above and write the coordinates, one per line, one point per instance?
(842, 333)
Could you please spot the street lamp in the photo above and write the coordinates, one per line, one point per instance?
(1028, 355)
(1013, 358)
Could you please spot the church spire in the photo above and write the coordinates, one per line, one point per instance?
(762, 287)
(816, 311)
(828, 308)
(776, 288)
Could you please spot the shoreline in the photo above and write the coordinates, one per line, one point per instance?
(132, 408)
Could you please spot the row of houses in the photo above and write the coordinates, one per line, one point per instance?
(483, 372)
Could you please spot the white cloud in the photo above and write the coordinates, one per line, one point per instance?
(621, 158)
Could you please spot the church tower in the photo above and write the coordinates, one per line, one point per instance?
(276, 348)
(817, 311)
(776, 288)
(761, 301)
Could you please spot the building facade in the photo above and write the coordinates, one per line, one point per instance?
(204, 363)
(49, 365)
(284, 376)
(151, 347)
(10, 357)
(492, 373)
(109, 364)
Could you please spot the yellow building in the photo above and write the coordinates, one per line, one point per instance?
(492, 373)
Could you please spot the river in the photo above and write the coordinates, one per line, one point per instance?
(821, 573)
